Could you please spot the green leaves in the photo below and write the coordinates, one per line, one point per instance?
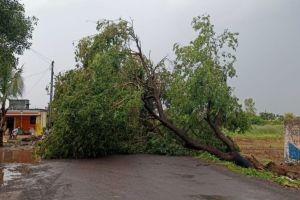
(15, 28)
(96, 107)
(11, 82)
(198, 84)
(15, 34)
(99, 107)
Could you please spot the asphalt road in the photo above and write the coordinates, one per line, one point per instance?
(138, 177)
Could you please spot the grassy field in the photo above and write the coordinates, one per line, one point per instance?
(262, 132)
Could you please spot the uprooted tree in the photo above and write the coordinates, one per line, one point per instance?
(192, 99)
(117, 93)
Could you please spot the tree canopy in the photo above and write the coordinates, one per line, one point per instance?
(15, 27)
(95, 111)
(117, 91)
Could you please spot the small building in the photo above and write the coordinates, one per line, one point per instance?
(30, 121)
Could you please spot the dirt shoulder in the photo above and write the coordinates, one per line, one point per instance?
(266, 150)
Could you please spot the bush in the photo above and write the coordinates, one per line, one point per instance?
(165, 144)
(254, 119)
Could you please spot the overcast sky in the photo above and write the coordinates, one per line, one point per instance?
(268, 55)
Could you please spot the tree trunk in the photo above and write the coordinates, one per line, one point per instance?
(153, 94)
(2, 122)
(1, 130)
(190, 143)
(232, 155)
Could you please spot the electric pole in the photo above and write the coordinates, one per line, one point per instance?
(51, 95)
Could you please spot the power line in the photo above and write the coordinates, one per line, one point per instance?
(32, 87)
(37, 73)
(42, 56)
(47, 60)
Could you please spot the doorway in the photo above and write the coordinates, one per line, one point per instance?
(10, 123)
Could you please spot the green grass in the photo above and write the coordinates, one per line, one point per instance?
(262, 175)
(261, 132)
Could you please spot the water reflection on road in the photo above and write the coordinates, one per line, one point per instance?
(11, 163)
(8, 173)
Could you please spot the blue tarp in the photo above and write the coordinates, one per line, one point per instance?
(294, 152)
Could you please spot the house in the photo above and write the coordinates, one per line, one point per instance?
(30, 121)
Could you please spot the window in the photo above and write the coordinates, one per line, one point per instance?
(32, 119)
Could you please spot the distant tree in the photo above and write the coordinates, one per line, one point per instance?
(254, 119)
(279, 117)
(267, 116)
(289, 116)
(15, 34)
(250, 106)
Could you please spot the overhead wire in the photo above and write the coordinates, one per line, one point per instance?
(37, 73)
(32, 87)
(47, 60)
(41, 56)
(43, 72)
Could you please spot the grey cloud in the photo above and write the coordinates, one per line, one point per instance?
(268, 64)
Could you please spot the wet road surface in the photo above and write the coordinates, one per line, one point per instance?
(138, 177)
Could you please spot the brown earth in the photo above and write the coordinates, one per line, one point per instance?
(266, 150)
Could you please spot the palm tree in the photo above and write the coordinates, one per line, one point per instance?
(11, 85)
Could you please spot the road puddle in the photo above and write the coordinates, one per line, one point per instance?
(9, 173)
(13, 164)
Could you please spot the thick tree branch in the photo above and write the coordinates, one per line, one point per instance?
(190, 143)
(215, 125)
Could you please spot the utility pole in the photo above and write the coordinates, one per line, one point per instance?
(51, 95)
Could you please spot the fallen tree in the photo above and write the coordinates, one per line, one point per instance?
(197, 89)
(192, 100)
(190, 96)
